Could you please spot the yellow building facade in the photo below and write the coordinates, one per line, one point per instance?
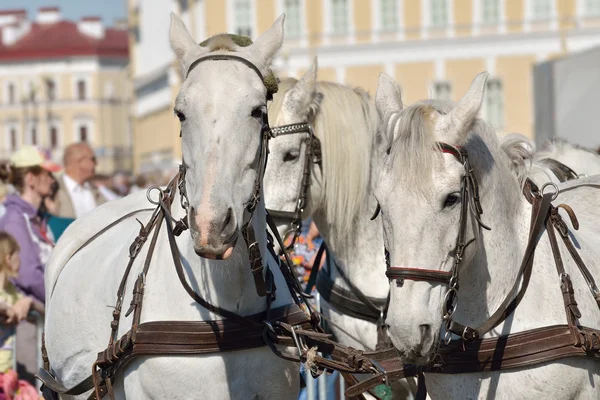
(433, 48)
(62, 82)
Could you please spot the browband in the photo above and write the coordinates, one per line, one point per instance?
(223, 57)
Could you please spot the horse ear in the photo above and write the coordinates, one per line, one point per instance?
(268, 44)
(302, 94)
(185, 48)
(388, 96)
(455, 125)
(307, 85)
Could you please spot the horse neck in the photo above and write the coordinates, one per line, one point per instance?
(487, 280)
(360, 255)
(229, 283)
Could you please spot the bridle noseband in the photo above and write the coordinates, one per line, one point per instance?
(312, 156)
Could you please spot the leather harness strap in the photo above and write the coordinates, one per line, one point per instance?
(284, 326)
(347, 301)
(287, 326)
(418, 274)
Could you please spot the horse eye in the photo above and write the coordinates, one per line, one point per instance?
(258, 112)
(291, 155)
(452, 199)
(180, 115)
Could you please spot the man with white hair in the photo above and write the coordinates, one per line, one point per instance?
(76, 195)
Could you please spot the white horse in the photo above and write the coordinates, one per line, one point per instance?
(418, 188)
(221, 105)
(582, 162)
(340, 199)
(558, 162)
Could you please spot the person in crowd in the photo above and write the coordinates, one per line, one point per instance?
(140, 184)
(305, 249)
(48, 212)
(121, 184)
(76, 196)
(31, 176)
(103, 184)
(14, 306)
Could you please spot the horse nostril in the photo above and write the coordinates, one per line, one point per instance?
(227, 223)
(425, 331)
(192, 219)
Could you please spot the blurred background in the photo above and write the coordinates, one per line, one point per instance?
(103, 72)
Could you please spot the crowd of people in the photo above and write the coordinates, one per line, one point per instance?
(39, 200)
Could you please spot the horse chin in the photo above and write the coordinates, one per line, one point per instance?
(419, 355)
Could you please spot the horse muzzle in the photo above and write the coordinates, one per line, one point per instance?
(216, 236)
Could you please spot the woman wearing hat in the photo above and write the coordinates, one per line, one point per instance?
(31, 176)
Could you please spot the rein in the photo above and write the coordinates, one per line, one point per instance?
(471, 353)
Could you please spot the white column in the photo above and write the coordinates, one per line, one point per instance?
(340, 75)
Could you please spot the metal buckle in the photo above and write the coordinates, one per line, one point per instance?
(381, 370)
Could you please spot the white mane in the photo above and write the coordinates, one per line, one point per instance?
(347, 137)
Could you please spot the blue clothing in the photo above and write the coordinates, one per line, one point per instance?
(58, 225)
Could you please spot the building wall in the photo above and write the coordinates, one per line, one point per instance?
(416, 54)
(104, 112)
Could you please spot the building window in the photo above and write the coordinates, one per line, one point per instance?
(53, 137)
(494, 103)
(83, 133)
(490, 11)
(541, 9)
(33, 136)
(339, 9)
(51, 89)
(13, 139)
(389, 15)
(592, 8)
(81, 90)
(439, 13)
(31, 95)
(442, 90)
(11, 93)
(243, 17)
(293, 18)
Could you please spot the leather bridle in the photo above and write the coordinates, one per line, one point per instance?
(312, 156)
(469, 193)
(256, 260)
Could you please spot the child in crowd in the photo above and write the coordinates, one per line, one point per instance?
(14, 306)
